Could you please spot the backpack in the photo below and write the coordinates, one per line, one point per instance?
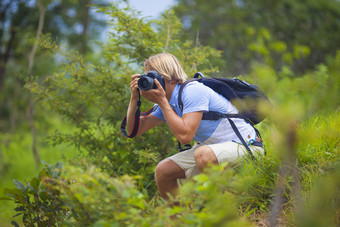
(246, 97)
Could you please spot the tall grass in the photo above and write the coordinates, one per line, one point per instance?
(318, 158)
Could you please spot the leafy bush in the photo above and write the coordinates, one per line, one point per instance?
(94, 196)
(226, 195)
(114, 183)
(95, 97)
(39, 199)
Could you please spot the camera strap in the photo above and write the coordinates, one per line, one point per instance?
(136, 120)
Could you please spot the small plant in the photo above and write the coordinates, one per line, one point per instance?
(38, 201)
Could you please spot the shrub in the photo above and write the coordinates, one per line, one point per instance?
(39, 199)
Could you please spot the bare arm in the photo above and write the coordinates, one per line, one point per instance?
(146, 123)
(130, 117)
(184, 128)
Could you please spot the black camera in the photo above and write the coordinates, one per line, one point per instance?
(146, 81)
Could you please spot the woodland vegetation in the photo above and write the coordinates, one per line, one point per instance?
(65, 69)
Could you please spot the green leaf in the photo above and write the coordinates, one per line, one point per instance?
(35, 183)
(14, 223)
(175, 210)
(43, 196)
(12, 192)
(59, 165)
(19, 185)
(53, 173)
(5, 198)
(18, 214)
(20, 208)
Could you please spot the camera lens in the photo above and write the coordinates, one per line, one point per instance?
(145, 83)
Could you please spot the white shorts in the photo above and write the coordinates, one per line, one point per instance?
(227, 151)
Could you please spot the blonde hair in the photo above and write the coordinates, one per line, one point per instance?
(167, 65)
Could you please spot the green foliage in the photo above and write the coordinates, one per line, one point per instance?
(87, 196)
(322, 203)
(113, 185)
(94, 196)
(133, 40)
(18, 26)
(17, 162)
(94, 97)
(213, 198)
(264, 48)
(317, 91)
(226, 195)
(38, 201)
(302, 34)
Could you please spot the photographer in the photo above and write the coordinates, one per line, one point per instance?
(216, 140)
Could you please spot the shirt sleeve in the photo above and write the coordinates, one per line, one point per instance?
(195, 98)
(158, 112)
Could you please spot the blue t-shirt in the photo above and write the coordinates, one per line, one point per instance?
(198, 97)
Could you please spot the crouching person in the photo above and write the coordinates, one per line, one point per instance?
(216, 140)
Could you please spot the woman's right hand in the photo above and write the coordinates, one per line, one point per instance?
(134, 86)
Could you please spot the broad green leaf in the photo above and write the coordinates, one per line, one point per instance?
(19, 185)
(35, 183)
(59, 165)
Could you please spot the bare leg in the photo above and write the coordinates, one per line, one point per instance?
(166, 175)
(204, 156)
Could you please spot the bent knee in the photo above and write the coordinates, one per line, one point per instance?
(204, 155)
(202, 152)
(160, 168)
(168, 169)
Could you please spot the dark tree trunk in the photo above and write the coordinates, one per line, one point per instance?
(5, 56)
(85, 26)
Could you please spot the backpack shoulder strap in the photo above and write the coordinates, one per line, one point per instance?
(180, 103)
(196, 78)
